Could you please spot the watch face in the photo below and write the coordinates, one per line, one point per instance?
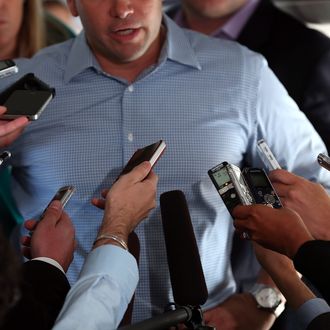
(267, 298)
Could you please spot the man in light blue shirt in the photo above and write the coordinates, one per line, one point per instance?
(131, 78)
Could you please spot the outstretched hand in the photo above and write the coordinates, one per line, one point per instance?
(53, 236)
(281, 230)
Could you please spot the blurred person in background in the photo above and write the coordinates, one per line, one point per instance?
(59, 10)
(24, 29)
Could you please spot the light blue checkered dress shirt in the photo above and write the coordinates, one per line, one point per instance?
(209, 99)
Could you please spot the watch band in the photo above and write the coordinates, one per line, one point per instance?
(277, 304)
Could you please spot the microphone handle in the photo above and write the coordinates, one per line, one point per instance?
(163, 321)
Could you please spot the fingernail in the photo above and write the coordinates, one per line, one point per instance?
(57, 205)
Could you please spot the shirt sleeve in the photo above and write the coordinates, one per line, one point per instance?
(310, 310)
(298, 144)
(98, 300)
(52, 262)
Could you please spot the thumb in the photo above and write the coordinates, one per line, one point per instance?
(139, 172)
(53, 213)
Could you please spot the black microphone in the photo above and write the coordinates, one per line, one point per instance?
(163, 321)
(186, 272)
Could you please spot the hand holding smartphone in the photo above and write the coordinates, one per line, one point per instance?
(27, 97)
(149, 153)
(63, 195)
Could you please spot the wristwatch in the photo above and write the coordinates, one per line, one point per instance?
(268, 299)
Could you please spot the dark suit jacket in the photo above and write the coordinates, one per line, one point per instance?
(43, 292)
(313, 261)
(322, 322)
(299, 56)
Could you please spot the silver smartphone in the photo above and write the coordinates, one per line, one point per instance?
(231, 186)
(63, 195)
(7, 68)
(267, 156)
(324, 161)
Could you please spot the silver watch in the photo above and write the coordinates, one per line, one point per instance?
(267, 298)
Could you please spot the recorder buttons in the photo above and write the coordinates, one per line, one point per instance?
(269, 199)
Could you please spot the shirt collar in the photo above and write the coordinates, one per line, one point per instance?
(234, 26)
(237, 22)
(80, 58)
(176, 48)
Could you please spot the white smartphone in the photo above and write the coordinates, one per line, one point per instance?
(7, 68)
(149, 153)
(267, 156)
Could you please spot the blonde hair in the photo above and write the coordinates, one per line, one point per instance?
(31, 37)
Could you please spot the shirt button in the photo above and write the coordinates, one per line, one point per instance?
(130, 137)
(130, 88)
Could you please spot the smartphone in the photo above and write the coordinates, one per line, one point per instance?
(28, 97)
(26, 103)
(149, 153)
(63, 195)
(267, 156)
(4, 156)
(324, 161)
(7, 68)
(261, 188)
(231, 186)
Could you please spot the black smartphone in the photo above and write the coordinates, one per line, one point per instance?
(63, 195)
(27, 97)
(7, 68)
(261, 188)
(230, 184)
(149, 153)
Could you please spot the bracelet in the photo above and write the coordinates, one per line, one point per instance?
(115, 238)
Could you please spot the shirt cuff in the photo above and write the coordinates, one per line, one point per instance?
(50, 261)
(114, 260)
(310, 310)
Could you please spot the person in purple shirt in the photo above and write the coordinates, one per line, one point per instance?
(279, 37)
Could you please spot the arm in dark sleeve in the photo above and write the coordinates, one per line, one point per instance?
(322, 322)
(313, 261)
(316, 99)
(43, 292)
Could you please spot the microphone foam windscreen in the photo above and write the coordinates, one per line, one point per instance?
(186, 272)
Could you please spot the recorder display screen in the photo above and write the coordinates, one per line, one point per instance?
(258, 180)
(221, 177)
(3, 65)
